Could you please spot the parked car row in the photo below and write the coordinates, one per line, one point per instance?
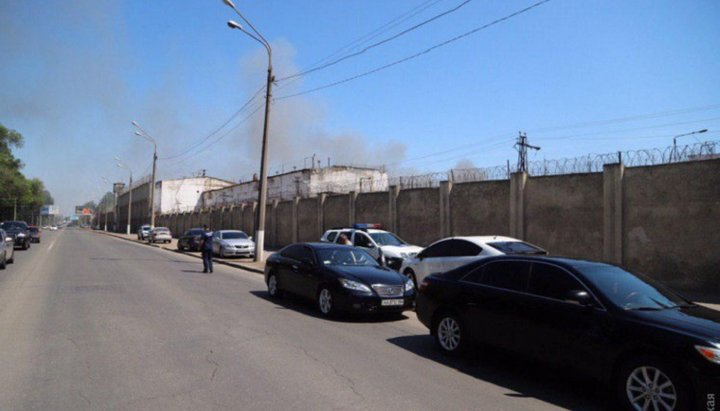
(652, 347)
(225, 243)
(16, 234)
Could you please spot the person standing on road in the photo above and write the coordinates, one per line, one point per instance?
(206, 248)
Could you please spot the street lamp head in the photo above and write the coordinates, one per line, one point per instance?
(134, 123)
(229, 3)
(703, 131)
(117, 158)
(234, 25)
(137, 133)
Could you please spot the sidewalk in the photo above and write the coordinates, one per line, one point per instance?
(243, 263)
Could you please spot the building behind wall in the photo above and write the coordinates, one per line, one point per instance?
(303, 183)
(171, 196)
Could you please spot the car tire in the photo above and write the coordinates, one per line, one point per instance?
(649, 378)
(273, 286)
(449, 333)
(12, 260)
(25, 245)
(410, 275)
(3, 263)
(325, 301)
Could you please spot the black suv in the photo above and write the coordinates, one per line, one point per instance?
(18, 230)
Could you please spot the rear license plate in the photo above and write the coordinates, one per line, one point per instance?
(393, 302)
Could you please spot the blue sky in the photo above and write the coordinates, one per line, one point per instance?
(75, 74)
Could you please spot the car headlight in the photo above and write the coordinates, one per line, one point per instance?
(711, 354)
(409, 285)
(404, 255)
(354, 285)
(21, 235)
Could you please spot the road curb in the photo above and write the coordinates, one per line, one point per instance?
(227, 263)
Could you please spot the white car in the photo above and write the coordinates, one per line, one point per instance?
(159, 235)
(230, 243)
(374, 240)
(7, 249)
(143, 232)
(453, 252)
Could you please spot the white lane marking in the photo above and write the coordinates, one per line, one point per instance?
(55, 241)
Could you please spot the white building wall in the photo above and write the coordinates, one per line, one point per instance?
(184, 194)
(302, 183)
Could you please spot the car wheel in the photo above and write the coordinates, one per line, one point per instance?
(12, 259)
(449, 334)
(3, 262)
(273, 287)
(410, 275)
(650, 383)
(325, 302)
(25, 245)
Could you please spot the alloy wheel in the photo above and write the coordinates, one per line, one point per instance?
(448, 334)
(648, 388)
(272, 286)
(325, 301)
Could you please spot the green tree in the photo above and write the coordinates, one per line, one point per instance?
(16, 191)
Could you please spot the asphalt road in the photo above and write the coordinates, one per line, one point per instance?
(88, 321)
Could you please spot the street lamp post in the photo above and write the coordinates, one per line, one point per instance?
(142, 133)
(105, 206)
(262, 189)
(674, 154)
(123, 165)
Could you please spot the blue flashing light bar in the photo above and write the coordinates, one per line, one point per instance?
(365, 226)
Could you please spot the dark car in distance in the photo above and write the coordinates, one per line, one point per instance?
(339, 278)
(655, 348)
(18, 230)
(190, 240)
(35, 234)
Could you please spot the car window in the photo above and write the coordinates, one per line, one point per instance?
(216, 235)
(510, 275)
(439, 249)
(553, 282)
(362, 240)
(346, 256)
(384, 238)
(331, 236)
(234, 235)
(516, 247)
(294, 252)
(463, 248)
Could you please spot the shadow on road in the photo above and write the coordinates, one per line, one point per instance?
(522, 377)
(163, 260)
(290, 302)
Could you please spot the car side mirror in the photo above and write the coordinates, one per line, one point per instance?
(580, 297)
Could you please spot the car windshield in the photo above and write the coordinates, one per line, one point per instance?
(33, 229)
(13, 225)
(516, 247)
(234, 235)
(386, 239)
(346, 256)
(630, 291)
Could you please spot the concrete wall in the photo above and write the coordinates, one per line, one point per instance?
(372, 208)
(418, 215)
(480, 208)
(336, 212)
(309, 224)
(672, 223)
(660, 220)
(564, 214)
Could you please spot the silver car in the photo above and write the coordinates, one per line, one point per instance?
(232, 243)
(7, 249)
(160, 235)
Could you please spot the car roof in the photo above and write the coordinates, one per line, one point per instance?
(484, 239)
(562, 261)
(229, 231)
(324, 245)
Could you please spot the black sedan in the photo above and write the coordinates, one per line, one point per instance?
(190, 240)
(339, 278)
(18, 231)
(658, 350)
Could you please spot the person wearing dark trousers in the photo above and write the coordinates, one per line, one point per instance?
(206, 248)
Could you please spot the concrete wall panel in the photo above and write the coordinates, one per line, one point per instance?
(336, 211)
(480, 208)
(419, 215)
(372, 208)
(308, 225)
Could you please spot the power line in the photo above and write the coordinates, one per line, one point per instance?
(206, 138)
(416, 55)
(372, 35)
(379, 43)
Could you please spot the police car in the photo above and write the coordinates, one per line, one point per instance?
(376, 241)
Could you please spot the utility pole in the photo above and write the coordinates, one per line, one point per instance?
(522, 145)
(142, 133)
(15, 210)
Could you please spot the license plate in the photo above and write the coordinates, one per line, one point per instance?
(393, 302)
